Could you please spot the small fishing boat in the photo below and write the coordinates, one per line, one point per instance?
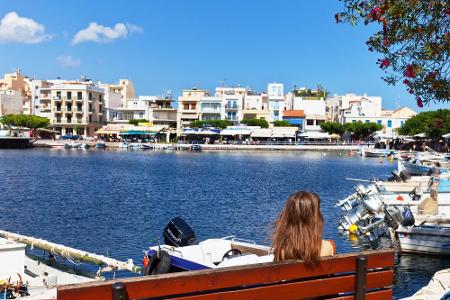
(374, 152)
(179, 253)
(101, 145)
(72, 145)
(196, 147)
(28, 276)
(428, 238)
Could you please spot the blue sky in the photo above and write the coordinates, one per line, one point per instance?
(173, 45)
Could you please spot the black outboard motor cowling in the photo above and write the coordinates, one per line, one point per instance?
(178, 233)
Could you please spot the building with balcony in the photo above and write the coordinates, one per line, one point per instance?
(40, 98)
(76, 107)
(339, 107)
(212, 108)
(275, 94)
(125, 88)
(189, 107)
(233, 102)
(156, 110)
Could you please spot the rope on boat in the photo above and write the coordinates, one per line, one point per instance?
(73, 254)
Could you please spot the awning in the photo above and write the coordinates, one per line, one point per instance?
(421, 135)
(137, 133)
(261, 133)
(315, 135)
(284, 132)
(233, 131)
(446, 136)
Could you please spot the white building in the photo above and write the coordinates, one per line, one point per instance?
(312, 103)
(10, 102)
(233, 101)
(340, 106)
(212, 108)
(275, 95)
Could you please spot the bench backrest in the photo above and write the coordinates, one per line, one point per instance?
(346, 276)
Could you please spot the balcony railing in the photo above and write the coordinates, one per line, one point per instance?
(57, 98)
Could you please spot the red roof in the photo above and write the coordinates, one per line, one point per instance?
(294, 113)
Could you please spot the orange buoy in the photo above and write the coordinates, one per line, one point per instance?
(400, 198)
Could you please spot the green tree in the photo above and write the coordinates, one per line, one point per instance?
(255, 122)
(210, 123)
(433, 123)
(136, 122)
(362, 130)
(413, 39)
(332, 127)
(281, 123)
(25, 121)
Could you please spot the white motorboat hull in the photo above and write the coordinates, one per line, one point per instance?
(426, 239)
(372, 152)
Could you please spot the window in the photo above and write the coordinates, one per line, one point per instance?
(367, 121)
(90, 96)
(402, 123)
(353, 121)
(79, 95)
(389, 123)
(379, 122)
(69, 107)
(319, 122)
(79, 107)
(276, 113)
(186, 106)
(58, 94)
(69, 95)
(310, 122)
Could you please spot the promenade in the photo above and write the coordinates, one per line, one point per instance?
(219, 147)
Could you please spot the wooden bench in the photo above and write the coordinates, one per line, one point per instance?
(365, 275)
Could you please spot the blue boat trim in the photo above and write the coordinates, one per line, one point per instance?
(181, 262)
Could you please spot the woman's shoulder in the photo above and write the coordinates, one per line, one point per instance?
(328, 248)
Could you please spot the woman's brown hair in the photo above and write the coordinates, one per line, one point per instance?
(298, 229)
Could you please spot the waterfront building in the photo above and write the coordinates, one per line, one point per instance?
(76, 107)
(233, 101)
(124, 87)
(40, 98)
(340, 106)
(189, 107)
(212, 108)
(256, 106)
(312, 103)
(275, 95)
(20, 84)
(295, 118)
(391, 120)
(153, 109)
(10, 102)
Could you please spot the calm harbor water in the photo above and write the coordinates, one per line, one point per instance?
(117, 202)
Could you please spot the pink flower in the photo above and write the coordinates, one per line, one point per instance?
(374, 14)
(385, 63)
(406, 81)
(419, 102)
(386, 42)
(410, 72)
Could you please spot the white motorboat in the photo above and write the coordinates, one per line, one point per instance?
(72, 145)
(428, 238)
(179, 253)
(26, 276)
(31, 277)
(375, 152)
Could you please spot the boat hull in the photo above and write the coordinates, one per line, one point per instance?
(433, 240)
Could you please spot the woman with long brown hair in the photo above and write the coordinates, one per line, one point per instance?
(298, 230)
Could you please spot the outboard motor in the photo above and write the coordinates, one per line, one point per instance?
(399, 215)
(178, 233)
(405, 176)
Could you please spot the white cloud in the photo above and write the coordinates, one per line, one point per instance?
(103, 34)
(14, 28)
(67, 61)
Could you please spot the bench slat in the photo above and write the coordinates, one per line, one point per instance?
(227, 278)
(300, 290)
